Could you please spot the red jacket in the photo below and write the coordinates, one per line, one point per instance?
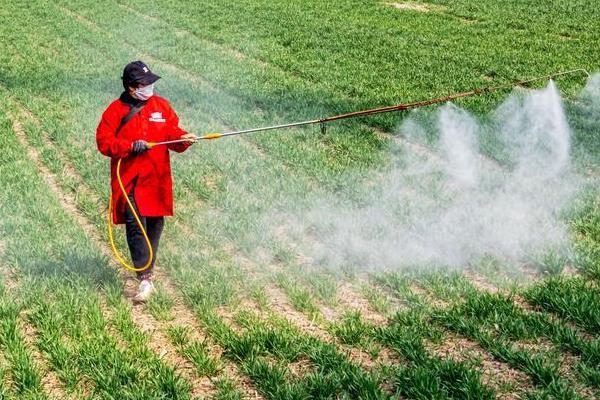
(149, 171)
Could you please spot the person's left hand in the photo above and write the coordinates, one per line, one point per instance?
(189, 137)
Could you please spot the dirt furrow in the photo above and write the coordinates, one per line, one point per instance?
(51, 384)
(509, 382)
(161, 345)
(279, 304)
(350, 300)
(67, 201)
(5, 383)
(183, 316)
(480, 282)
(568, 370)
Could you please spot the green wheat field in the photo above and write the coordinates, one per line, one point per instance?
(242, 311)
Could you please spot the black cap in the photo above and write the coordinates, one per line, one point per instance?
(138, 72)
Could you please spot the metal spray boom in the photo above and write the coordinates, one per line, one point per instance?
(397, 107)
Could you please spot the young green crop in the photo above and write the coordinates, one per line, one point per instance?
(283, 61)
(24, 373)
(427, 376)
(573, 299)
(495, 321)
(196, 352)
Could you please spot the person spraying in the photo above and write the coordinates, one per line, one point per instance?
(138, 130)
(126, 131)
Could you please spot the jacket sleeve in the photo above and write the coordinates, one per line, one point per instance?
(175, 132)
(106, 139)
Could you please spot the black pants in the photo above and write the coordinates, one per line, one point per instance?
(136, 241)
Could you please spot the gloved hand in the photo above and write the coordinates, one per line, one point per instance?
(139, 146)
(190, 137)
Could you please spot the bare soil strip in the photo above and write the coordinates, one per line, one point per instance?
(50, 381)
(350, 299)
(420, 7)
(5, 382)
(161, 345)
(497, 375)
(279, 304)
(481, 282)
(67, 201)
(429, 297)
(427, 8)
(183, 316)
(568, 369)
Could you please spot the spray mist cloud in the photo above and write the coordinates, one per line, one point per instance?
(447, 203)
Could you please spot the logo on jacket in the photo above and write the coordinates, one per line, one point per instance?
(157, 117)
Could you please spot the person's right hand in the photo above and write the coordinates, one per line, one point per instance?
(139, 146)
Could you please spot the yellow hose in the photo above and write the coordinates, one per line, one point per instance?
(118, 255)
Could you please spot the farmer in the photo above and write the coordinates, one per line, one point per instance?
(139, 117)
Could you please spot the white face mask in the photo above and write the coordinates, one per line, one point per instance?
(144, 93)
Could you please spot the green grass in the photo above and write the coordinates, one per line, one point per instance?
(262, 63)
(427, 376)
(494, 321)
(196, 352)
(573, 299)
(227, 391)
(586, 230)
(23, 372)
(160, 304)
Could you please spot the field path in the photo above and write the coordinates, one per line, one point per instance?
(50, 381)
(66, 200)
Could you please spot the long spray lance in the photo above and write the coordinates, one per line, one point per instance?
(397, 107)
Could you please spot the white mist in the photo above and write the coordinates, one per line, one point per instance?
(450, 205)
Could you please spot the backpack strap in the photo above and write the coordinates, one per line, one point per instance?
(132, 112)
